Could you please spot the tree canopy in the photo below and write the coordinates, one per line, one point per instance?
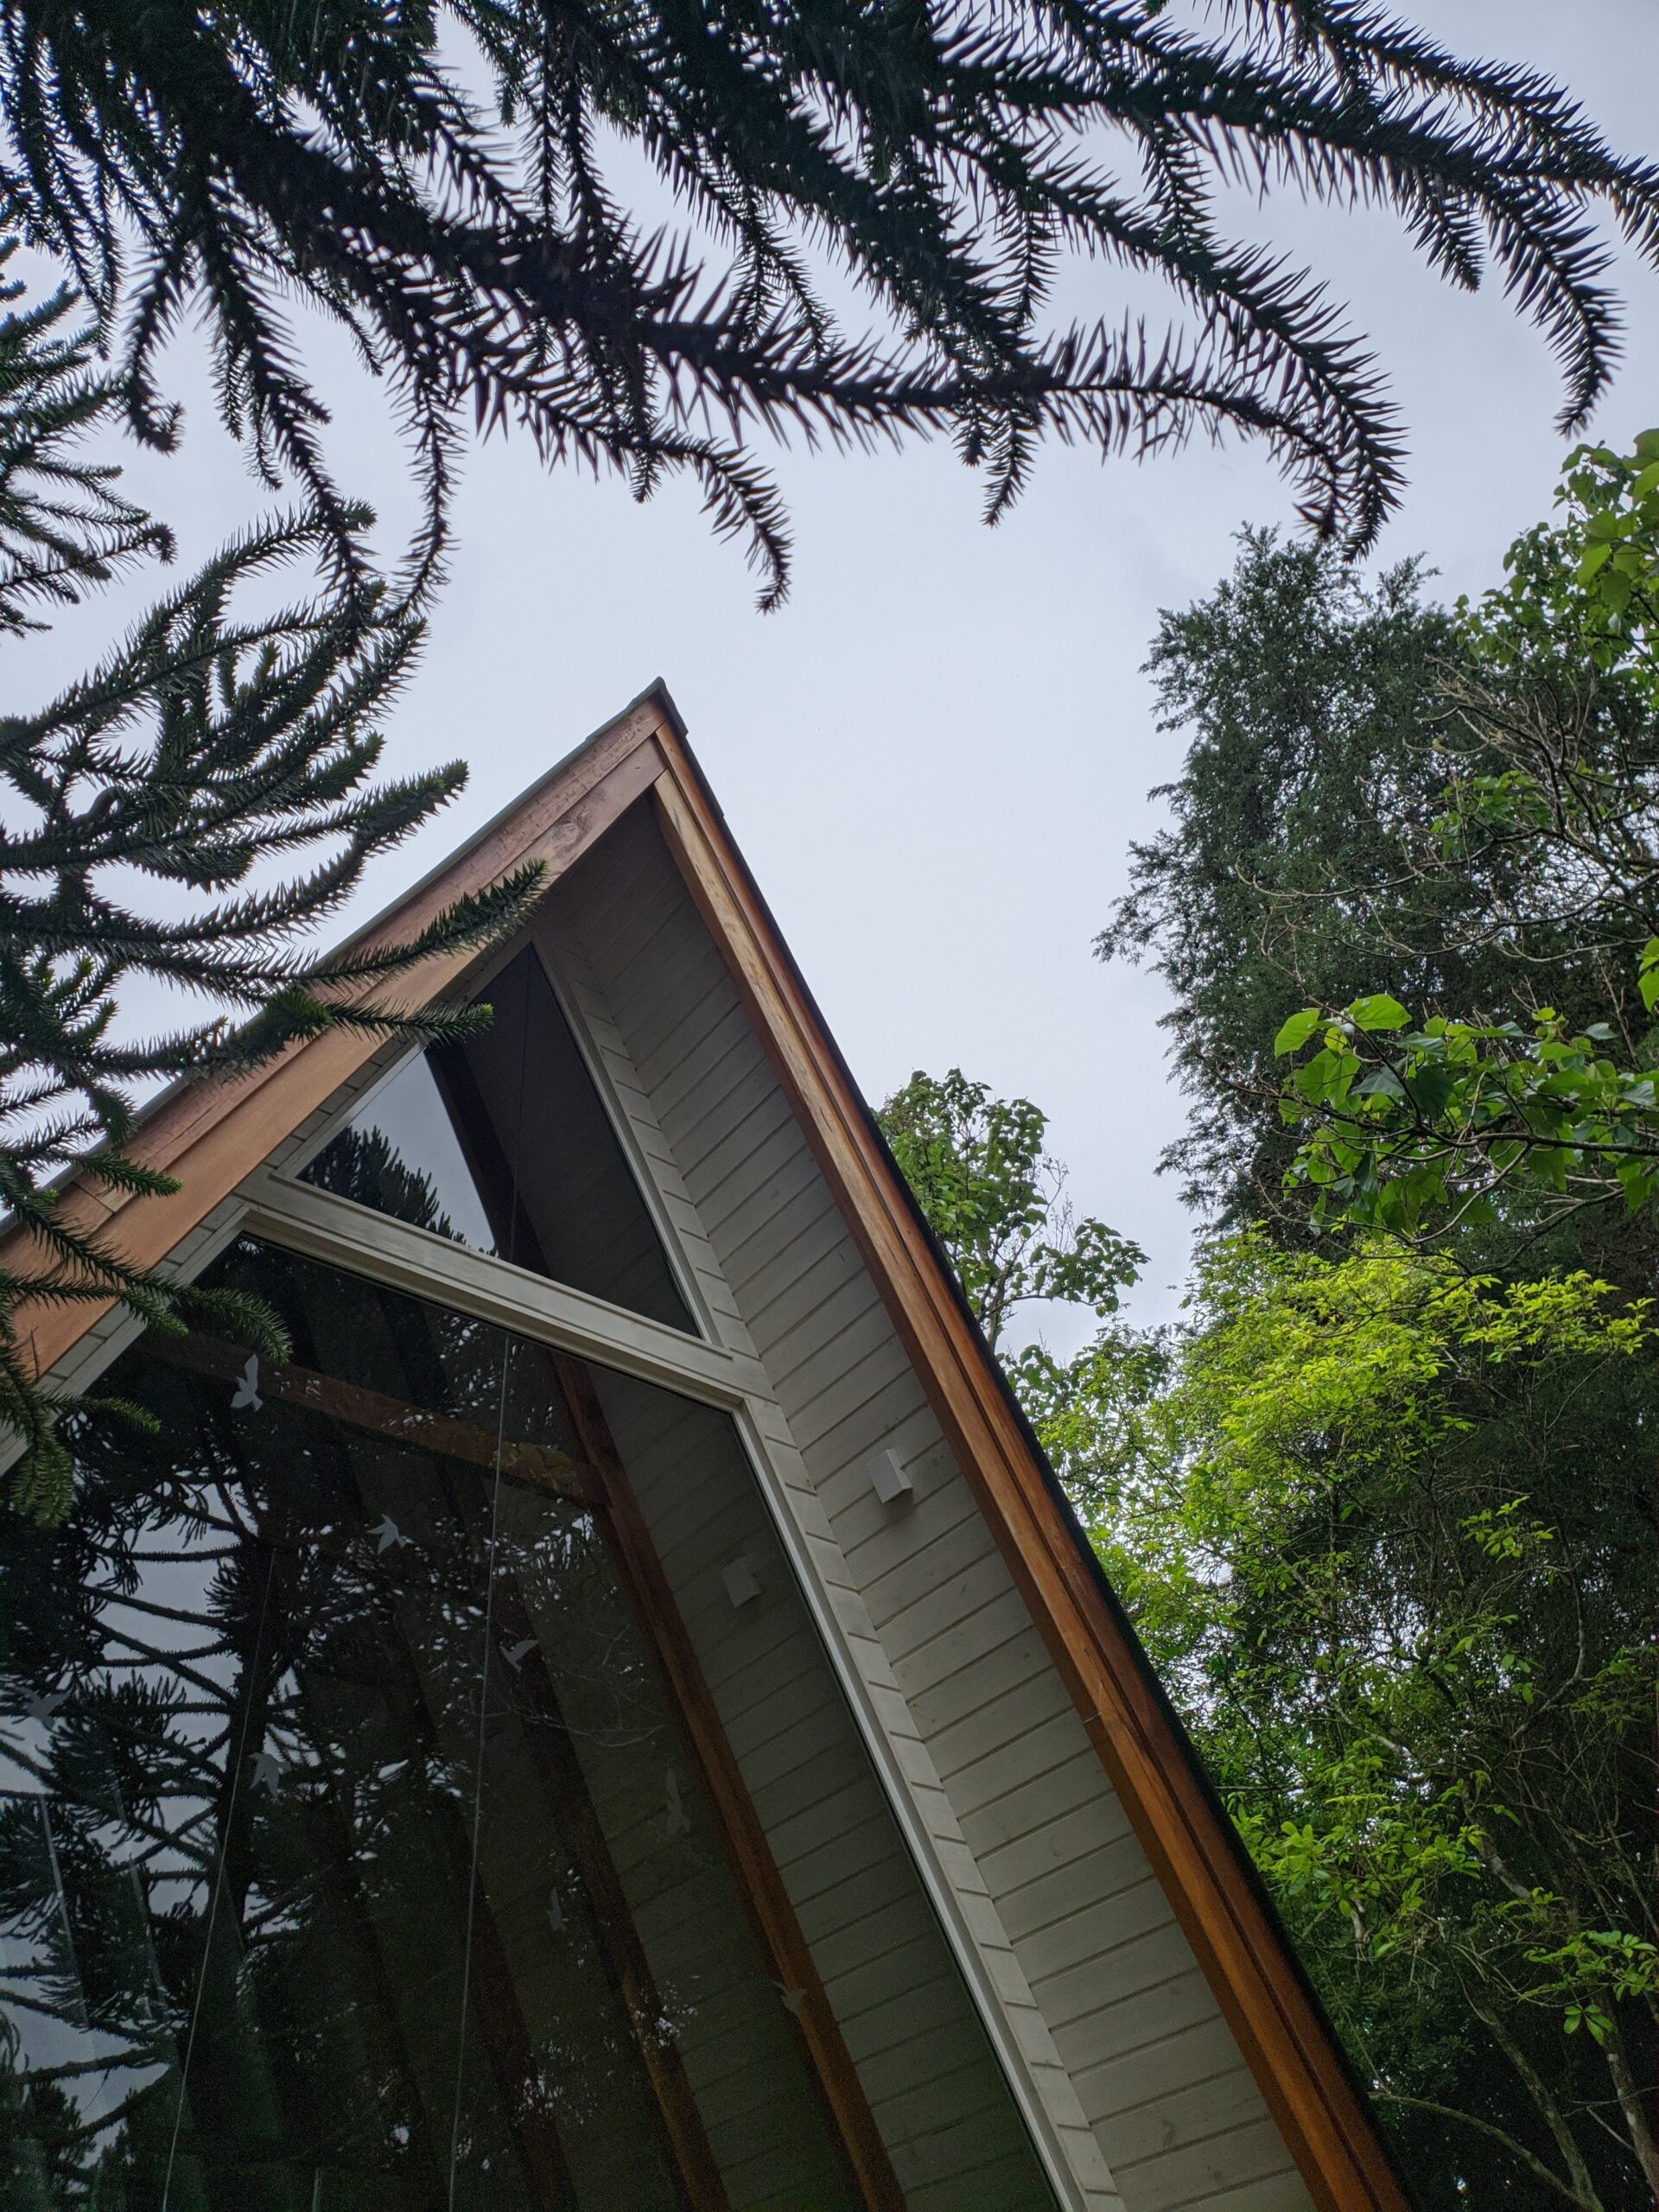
(451, 183)
(1521, 1110)
(997, 1202)
(1303, 695)
(1411, 861)
(1387, 1531)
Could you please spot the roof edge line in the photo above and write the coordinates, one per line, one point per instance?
(1284, 2033)
(655, 695)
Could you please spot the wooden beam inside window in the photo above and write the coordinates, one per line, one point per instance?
(393, 1419)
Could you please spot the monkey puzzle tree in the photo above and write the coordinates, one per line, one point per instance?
(453, 184)
(151, 810)
(442, 181)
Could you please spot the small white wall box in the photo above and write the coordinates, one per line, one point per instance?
(888, 1479)
(742, 1583)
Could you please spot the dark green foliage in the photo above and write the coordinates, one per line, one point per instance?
(63, 525)
(150, 809)
(1386, 1521)
(1513, 1093)
(1383, 799)
(366, 1166)
(1309, 778)
(160, 1829)
(189, 160)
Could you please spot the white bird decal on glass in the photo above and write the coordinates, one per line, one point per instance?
(679, 1822)
(45, 1704)
(793, 2000)
(515, 1654)
(247, 1389)
(267, 1773)
(388, 1533)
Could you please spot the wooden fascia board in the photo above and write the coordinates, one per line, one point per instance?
(209, 1136)
(1326, 2123)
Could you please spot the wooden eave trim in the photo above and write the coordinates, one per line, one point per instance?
(1327, 2124)
(210, 1134)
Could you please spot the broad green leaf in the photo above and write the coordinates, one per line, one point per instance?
(1295, 1033)
(1431, 1088)
(1595, 559)
(1381, 1082)
(1379, 1011)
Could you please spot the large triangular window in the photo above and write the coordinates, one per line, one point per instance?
(503, 1144)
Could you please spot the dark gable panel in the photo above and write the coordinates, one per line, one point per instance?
(503, 1144)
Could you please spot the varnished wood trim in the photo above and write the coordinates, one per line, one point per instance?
(1321, 2113)
(210, 1135)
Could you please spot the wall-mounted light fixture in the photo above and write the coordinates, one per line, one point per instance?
(888, 1479)
(742, 1583)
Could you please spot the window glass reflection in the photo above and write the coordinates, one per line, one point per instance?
(331, 1863)
(503, 1144)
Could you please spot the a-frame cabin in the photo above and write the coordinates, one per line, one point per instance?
(623, 1719)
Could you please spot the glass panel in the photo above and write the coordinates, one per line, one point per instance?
(337, 1871)
(504, 1145)
(937, 2094)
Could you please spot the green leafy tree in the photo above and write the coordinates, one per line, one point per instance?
(1387, 1518)
(1454, 804)
(1385, 1528)
(1304, 696)
(1388, 1536)
(997, 1202)
(157, 809)
(1425, 1119)
(443, 182)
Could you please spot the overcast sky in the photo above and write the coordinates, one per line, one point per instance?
(935, 755)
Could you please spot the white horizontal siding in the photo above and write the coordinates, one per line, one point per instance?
(1043, 1843)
